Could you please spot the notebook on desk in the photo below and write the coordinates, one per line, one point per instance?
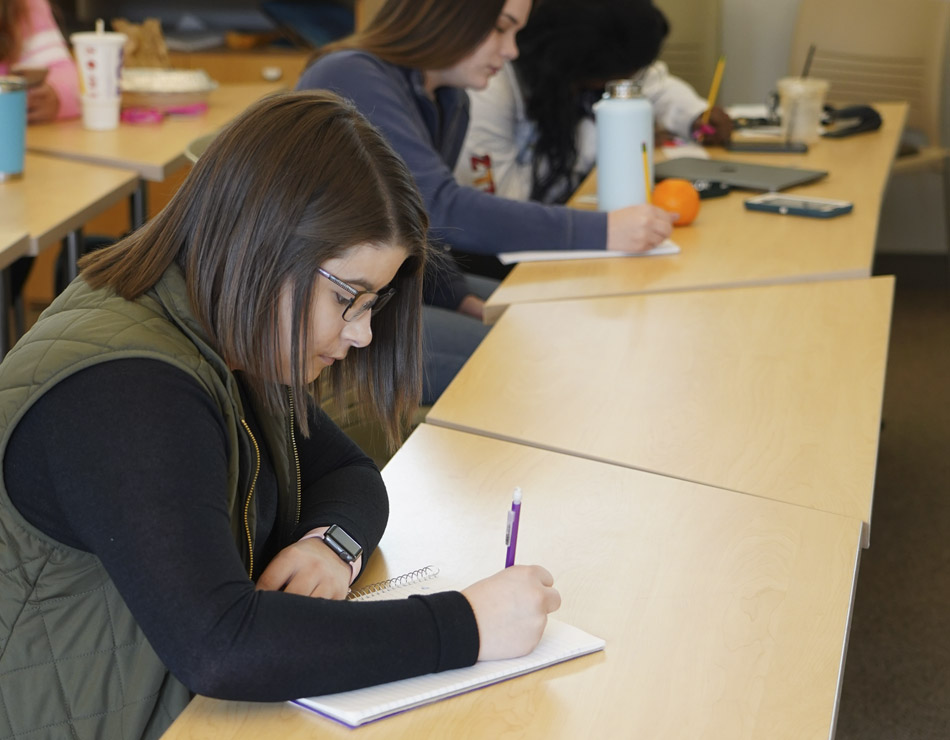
(737, 174)
(559, 643)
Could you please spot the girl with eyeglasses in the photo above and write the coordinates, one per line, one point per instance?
(177, 514)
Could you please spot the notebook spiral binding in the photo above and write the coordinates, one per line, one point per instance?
(406, 579)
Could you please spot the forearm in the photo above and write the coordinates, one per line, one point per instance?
(278, 646)
(492, 225)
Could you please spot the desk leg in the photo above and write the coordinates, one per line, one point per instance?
(5, 302)
(138, 205)
(73, 247)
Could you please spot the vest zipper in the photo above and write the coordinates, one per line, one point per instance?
(247, 502)
(293, 445)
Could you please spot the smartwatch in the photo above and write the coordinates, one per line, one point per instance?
(342, 544)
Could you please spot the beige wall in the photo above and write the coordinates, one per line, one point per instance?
(756, 41)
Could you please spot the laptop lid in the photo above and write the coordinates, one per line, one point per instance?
(736, 174)
(309, 22)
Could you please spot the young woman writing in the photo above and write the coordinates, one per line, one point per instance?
(171, 489)
(407, 72)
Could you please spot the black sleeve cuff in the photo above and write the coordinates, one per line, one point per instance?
(457, 628)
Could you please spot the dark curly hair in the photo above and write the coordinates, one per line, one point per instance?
(569, 50)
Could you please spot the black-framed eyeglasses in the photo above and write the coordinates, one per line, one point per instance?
(360, 301)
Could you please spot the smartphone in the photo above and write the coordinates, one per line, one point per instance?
(797, 205)
(787, 147)
(33, 75)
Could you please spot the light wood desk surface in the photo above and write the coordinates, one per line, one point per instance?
(725, 615)
(13, 245)
(56, 196)
(153, 150)
(728, 246)
(774, 391)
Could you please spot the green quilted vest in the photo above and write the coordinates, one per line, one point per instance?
(73, 661)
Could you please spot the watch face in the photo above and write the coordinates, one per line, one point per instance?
(344, 545)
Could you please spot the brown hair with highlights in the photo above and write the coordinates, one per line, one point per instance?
(423, 34)
(296, 180)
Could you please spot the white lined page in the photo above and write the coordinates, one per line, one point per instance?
(507, 258)
(560, 642)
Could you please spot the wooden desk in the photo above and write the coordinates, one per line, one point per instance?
(52, 201)
(728, 246)
(725, 616)
(153, 150)
(13, 245)
(56, 196)
(774, 391)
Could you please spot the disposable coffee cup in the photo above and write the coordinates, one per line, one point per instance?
(801, 101)
(100, 114)
(99, 57)
(12, 126)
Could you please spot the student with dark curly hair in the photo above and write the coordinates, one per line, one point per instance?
(532, 133)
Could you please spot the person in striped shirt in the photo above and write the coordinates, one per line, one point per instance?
(30, 39)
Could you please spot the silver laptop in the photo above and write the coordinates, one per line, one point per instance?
(736, 174)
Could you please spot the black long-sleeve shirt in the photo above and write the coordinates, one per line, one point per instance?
(128, 460)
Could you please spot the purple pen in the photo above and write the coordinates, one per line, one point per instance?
(511, 534)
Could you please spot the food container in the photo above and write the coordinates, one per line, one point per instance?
(164, 89)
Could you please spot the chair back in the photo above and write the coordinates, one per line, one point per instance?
(878, 51)
(695, 41)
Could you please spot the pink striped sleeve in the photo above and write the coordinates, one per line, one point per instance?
(44, 46)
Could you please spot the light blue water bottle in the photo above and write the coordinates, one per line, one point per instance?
(624, 120)
(12, 126)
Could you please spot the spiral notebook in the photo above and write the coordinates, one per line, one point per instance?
(559, 643)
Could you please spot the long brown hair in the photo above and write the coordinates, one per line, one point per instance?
(423, 34)
(12, 14)
(296, 180)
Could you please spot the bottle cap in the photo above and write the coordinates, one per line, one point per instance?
(622, 89)
(12, 83)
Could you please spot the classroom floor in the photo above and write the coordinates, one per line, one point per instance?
(897, 672)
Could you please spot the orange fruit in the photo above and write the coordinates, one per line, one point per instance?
(677, 196)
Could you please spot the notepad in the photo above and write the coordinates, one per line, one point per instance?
(507, 258)
(559, 643)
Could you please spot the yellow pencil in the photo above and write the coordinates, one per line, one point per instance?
(714, 89)
(646, 175)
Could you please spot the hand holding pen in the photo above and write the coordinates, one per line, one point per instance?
(714, 126)
(512, 606)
